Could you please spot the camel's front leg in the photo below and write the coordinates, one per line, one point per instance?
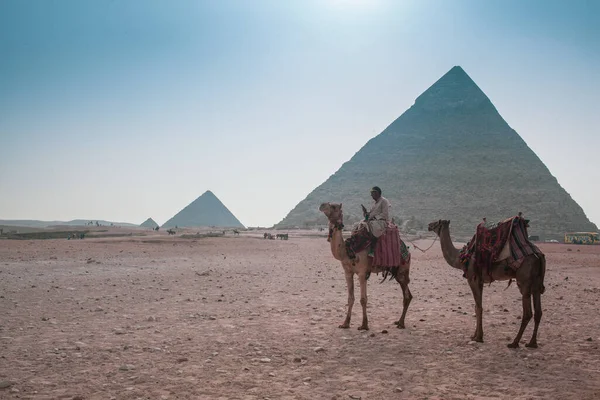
(362, 279)
(350, 285)
(476, 285)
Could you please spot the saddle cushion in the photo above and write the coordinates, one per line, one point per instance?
(390, 250)
(359, 240)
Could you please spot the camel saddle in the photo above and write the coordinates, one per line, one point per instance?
(507, 241)
(390, 250)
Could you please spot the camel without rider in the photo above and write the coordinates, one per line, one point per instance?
(361, 266)
(529, 277)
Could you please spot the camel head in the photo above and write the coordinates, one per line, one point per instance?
(333, 212)
(437, 226)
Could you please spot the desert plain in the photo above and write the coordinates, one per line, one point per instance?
(241, 317)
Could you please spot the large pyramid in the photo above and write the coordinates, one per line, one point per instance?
(206, 210)
(450, 156)
(149, 223)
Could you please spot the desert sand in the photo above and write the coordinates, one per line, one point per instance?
(240, 317)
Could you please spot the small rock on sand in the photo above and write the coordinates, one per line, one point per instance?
(5, 384)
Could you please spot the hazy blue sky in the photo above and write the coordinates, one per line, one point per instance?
(122, 110)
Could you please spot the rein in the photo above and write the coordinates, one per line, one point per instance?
(334, 225)
(418, 248)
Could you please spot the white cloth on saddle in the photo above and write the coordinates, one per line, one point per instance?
(505, 253)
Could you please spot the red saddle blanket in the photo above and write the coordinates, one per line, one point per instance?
(390, 250)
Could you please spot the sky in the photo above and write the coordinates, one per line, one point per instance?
(124, 110)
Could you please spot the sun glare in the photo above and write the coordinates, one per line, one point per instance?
(354, 3)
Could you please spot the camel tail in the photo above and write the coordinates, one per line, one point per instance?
(390, 274)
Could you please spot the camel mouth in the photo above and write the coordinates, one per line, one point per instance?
(437, 225)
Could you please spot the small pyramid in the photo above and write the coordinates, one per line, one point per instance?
(149, 223)
(449, 156)
(206, 210)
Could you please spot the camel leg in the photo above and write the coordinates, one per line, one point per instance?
(350, 285)
(537, 307)
(403, 280)
(527, 314)
(362, 279)
(477, 289)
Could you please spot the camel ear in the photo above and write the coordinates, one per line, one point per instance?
(340, 206)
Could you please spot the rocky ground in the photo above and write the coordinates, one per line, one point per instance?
(241, 317)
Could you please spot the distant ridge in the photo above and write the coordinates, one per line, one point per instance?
(450, 156)
(32, 223)
(206, 210)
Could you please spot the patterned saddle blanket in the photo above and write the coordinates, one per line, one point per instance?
(390, 250)
(508, 240)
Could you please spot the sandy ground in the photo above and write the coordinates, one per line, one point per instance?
(161, 317)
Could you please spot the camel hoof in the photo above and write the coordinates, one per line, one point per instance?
(344, 326)
(363, 328)
(513, 345)
(400, 325)
(531, 345)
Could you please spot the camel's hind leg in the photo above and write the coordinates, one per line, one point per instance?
(527, 314)
(537, 307)
(362, 279)
(350, 285)
(527, 283)
(403, 279)
(537, 289)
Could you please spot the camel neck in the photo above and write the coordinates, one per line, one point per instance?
(338, 248)
(448, 250)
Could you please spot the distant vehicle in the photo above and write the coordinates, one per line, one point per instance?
(582, 238)
(534, 238)
(551, 241)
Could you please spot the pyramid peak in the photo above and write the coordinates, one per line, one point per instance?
(454, 88)
(457, 69)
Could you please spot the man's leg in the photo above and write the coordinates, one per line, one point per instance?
(373, 245)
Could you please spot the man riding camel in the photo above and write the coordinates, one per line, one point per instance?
(378, 217)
